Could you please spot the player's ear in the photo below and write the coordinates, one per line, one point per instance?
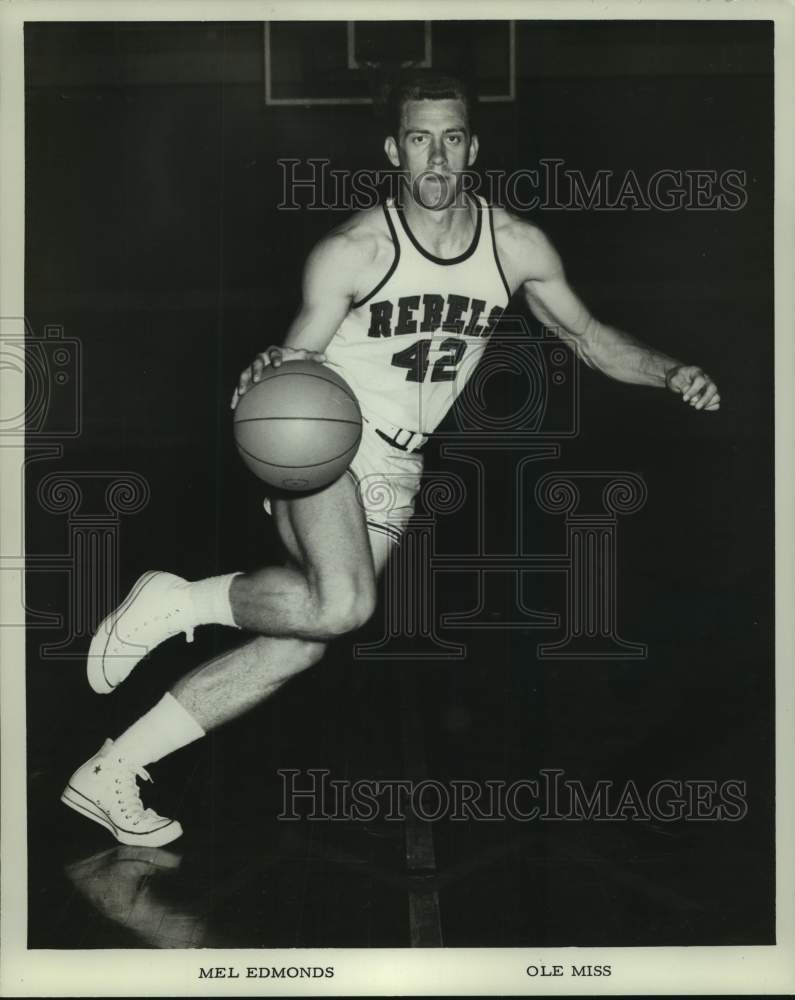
(391, 150)
(474, 146)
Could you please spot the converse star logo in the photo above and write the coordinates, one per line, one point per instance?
(97, 769)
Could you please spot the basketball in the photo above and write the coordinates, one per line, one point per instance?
(299, 427)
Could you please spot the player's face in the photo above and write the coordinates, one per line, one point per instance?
(433, 147)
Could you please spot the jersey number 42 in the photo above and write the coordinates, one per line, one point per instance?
(416, 359)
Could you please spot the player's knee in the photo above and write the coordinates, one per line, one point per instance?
(346, 606)
(312, 651)
(300, 654)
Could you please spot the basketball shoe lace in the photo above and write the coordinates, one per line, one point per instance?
(128, 794)
(150, 631)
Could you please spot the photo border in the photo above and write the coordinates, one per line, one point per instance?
(389, 972)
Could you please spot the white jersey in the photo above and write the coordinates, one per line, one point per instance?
(409, 346)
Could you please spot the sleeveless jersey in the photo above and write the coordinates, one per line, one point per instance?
(408, 347)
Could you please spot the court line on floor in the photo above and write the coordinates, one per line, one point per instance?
(425, 924)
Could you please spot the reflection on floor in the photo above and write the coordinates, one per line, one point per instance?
(125, 885)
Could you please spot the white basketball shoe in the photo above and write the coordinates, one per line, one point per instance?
(157, 607)
(105, 789)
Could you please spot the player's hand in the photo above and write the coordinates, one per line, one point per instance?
(695, 387)
(271, 356)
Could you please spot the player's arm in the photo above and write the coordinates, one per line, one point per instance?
(328, 288)
(605, 348)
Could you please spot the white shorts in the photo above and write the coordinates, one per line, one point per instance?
(387, 482)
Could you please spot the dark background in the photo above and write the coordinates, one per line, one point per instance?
(153, 237)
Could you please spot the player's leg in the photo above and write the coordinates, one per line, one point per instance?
(331, 576)
(326, 589)
(231, 684)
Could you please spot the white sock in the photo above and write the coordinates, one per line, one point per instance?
(210, 599)
(162, 730)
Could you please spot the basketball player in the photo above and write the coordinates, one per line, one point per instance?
(401, 300)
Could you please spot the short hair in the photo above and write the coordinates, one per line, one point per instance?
(426, 85)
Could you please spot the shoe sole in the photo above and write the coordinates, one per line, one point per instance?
(95, 666)
(154, 838)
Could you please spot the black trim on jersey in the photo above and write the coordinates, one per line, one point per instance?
(496, 255)
(445, 260)
(391, 271)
